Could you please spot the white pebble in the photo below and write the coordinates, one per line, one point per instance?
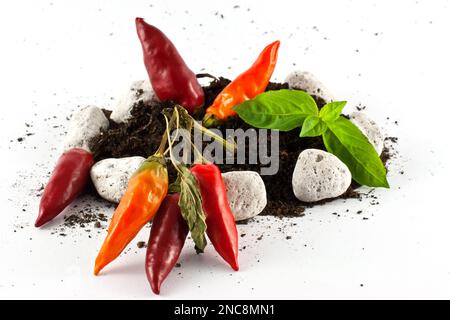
(111, 176)
(85, 124)
(308, 82)
(370, 129)
(139, 90)
(246, 193)
(319, 175)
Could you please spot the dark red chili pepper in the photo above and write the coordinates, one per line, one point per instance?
(167, 237)
(68, 180)
(221, 227)
(169, 75)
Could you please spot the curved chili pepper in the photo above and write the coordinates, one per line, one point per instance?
(245, 87)
(167, 237)
(68, 180)
(145, 192)
(221, 227)
(170, 76)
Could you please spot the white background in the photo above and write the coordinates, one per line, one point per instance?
(391, 56)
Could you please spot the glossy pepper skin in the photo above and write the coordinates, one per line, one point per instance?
(145, 192)
(68, 180)
(245, 87)
(221, 227)
(169, 75)
(167, 237)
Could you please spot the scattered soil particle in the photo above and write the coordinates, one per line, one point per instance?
(243, 222)
(360, 107)
(391, 139)
(83, 218)
(141, 244)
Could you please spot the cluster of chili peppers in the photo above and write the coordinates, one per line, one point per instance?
(169, 229)
(147, 196)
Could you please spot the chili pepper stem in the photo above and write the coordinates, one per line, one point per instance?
(190, 122)
(180, 115)
(162, 146)
(231, 146)
(169, 141)
(210, 121)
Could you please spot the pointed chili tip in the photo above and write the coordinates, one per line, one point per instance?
(210, 121)
(155, 285)
(98, 267)
(41, 219)
(156, 290)
(39, 222)
(276, 44)
(233, 263)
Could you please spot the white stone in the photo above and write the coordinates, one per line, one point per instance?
(370, 129)
(319, 175)
(246, 193)
(139, 90)
(306, 81)
(85, 124)
(110, 176)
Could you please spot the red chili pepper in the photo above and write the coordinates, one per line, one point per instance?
(170, 76)
(167, 237)
(68, 180)
(221, 227)
(246, 86)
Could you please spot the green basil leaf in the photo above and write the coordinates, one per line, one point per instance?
(313, 126)
(191, 207)
(282, 110)
(345, 140)
(331, 111)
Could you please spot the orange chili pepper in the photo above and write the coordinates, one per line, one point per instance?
(145, 192)
(245, 87)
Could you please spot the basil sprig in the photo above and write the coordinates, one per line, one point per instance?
(286, 110)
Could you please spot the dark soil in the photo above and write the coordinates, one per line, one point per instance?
(141, 135)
